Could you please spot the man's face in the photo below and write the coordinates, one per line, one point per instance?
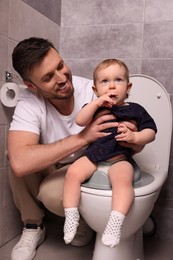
(52, 78)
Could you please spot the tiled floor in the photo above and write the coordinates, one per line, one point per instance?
(55, 249)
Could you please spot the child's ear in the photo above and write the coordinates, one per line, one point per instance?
(95, 90)
(129, 86)
(128, 89)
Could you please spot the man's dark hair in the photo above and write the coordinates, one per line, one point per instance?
(28, 54)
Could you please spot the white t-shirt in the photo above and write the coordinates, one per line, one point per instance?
(36, 114)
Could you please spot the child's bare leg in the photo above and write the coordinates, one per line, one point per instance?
(77, 173)
(121, 177)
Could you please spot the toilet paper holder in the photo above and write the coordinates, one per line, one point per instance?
(9, 91)
(8, 76)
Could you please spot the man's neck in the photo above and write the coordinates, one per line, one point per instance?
(63, 106)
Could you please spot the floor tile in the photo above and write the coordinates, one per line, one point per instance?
(54, 247)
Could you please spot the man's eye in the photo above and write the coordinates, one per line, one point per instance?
(60, 66)
(48, 78)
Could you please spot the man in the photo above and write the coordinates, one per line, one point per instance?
(44, 138)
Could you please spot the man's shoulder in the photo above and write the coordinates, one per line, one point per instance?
(30, 101)
(27, 95)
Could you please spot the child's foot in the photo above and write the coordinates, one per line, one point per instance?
(112, 232)
(71, 224)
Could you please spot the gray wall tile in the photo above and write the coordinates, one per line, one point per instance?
(85, 67)
(158, 10)
(157, 40)
(101, 41)
(160, 69)
(8, 198)
(2, 145)
(163, 217)
(1, 235)
(11, 226)
(3, 55)
(4, 11)
(1, 188)
(2, 112)
(166, 191)
(49, 8)
(39, 25)
(11, 44)
(89, 12)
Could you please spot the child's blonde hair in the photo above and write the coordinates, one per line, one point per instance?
(108, 62)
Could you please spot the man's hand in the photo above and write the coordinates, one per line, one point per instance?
(95, 130)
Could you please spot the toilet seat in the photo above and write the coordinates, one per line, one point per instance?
(100, 180)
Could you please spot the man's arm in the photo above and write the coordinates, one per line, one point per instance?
(27, 156)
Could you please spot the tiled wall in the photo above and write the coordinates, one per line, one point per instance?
(50, 8)
(138, 31)
(17, 21)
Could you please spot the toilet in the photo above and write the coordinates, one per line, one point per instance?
(151, 170)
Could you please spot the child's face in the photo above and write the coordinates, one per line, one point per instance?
(112, 79)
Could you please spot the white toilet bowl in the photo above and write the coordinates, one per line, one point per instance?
(95, 204)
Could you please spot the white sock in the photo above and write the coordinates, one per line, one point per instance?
(112, 232)
(71, 224)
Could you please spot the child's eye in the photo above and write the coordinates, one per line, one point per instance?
(105, 81)
(118, 80)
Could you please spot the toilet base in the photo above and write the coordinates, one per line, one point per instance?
(130, 248)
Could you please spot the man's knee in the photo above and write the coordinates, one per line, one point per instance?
(51, 192)
(51, 201)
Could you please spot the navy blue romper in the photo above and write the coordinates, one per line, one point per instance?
(107, 147)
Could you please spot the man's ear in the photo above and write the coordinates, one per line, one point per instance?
(31, 86)
(95, 90)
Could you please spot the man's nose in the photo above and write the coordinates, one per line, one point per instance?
(60, 77)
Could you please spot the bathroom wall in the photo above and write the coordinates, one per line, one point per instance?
(49, 8)
(138, 32)
(18, 20)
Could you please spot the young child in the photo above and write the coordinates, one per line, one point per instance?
(111, 86)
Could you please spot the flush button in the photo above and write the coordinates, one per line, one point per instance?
(158, 95)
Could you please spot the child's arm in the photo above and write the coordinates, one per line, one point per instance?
(85, 115)
(142, 137)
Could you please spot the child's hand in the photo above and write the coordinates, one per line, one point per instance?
(125, 134)
(106, 100)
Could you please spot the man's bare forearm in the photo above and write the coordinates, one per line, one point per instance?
(35, 157)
